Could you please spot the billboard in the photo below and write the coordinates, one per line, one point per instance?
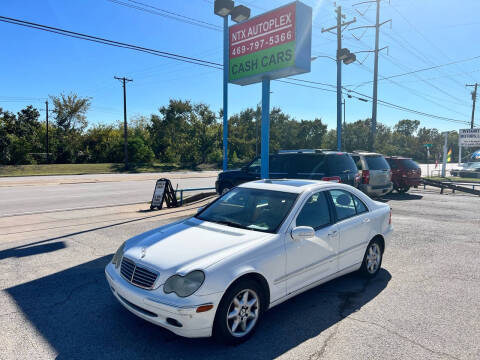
(469, 137)
(273, 45)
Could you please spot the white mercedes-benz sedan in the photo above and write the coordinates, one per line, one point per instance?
(251, 249)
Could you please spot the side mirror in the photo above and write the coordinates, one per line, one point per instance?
(245, 168)
(303, 233)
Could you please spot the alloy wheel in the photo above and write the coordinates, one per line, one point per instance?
(243, 313)
(374, 256)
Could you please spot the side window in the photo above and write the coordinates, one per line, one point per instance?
(359, 205)
(254, 167)
(358, 162)
(315, 212)
(392, 163)
(343, 203)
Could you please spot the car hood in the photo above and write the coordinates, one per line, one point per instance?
(189, 245)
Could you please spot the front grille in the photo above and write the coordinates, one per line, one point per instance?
(137, 275)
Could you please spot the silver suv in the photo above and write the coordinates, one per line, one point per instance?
(376, 176)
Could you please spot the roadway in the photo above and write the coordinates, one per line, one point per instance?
(22, 195)
(36, 194)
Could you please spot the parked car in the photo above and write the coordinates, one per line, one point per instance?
(295, 164)
(470, 169)
(405, 173)
(258, 245)
(376, 175)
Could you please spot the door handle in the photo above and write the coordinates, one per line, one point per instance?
(334, 232)
(366, 220)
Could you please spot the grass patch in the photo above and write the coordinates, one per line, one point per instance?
(82, 169)
(452, 178)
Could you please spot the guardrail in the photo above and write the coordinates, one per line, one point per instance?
(454, 186)
(189, 190)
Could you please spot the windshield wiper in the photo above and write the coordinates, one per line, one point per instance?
(229, 223)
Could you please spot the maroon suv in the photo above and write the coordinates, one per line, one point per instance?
(405, 173)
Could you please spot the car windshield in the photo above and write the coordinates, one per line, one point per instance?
(377, 163)
(254, 209)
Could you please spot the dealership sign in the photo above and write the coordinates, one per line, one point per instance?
(469, 137)
(273, 45)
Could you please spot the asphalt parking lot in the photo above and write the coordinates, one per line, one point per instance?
(55, 302)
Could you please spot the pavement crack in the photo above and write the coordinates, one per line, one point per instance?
(439, 353)
(320, 353)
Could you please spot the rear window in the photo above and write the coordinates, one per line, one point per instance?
(341, 164)
(308, 164)
(377, 163)
(409, 164)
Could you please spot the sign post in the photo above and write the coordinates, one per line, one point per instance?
(270, 46)
(428, 146)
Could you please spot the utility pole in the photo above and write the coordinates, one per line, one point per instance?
(46, 111)
(474, 98)
(124, 80)
(373, 125)
(345, 56)
(375, 81)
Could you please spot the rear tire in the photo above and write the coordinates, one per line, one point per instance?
(372, 260)
(239, 312)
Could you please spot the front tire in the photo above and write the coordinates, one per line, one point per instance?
(372, 260)
(239, 312)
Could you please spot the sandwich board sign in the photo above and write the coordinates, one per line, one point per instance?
(272, 45)
(163, 192)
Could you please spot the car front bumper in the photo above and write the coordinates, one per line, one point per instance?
(155, 308)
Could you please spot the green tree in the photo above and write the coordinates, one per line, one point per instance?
(70, 120)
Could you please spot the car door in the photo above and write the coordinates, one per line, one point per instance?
(353, 220)
(310, 260)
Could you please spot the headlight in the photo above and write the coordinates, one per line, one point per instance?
(186, 285)
(117, 258)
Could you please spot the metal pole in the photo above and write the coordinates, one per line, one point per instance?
(428, 161)
(339, 79)
(444, 155)
(225, 92)
(474, 96)
(375, 83)
(459, 154)
(46, 110)
(264, 171)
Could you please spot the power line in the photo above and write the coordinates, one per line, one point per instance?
(421, 70)
(382, 102)
(104, 41)
(167, 14)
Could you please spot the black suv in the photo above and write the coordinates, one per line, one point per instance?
(295, 164)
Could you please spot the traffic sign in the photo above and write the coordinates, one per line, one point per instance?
(428, 145)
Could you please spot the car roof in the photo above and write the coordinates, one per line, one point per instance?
(398, 157)
(286, 185)
(366, 153)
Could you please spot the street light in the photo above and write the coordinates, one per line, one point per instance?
(240, 13)
(223, 8)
